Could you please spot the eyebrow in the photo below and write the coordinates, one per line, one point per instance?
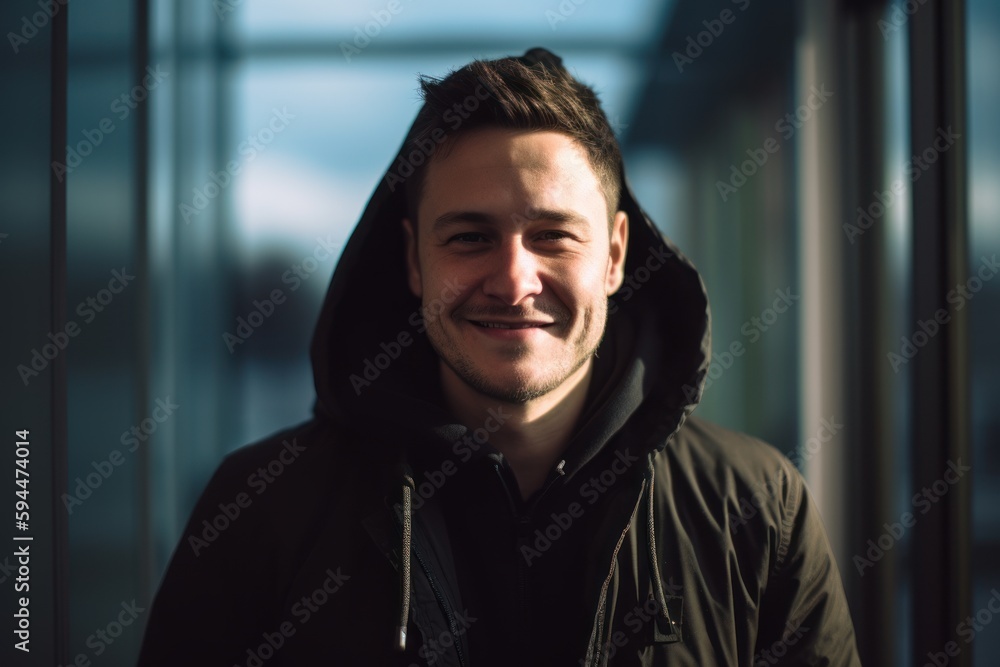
(479, 217)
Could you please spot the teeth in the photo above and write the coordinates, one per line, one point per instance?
(500, 325)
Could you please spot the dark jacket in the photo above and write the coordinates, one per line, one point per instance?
(659, 539)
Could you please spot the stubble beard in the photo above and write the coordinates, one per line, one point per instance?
(521, 390)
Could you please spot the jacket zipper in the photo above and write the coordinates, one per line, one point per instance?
(602, 607)
(445, 607)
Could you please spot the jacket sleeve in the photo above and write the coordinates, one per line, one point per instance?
(804, 617)
(210, 601)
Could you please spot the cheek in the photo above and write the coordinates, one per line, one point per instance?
(443, 293)
(433, 309)
(583, 284)
(579, 289)
(430, 277)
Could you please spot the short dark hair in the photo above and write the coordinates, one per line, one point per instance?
(533, 92)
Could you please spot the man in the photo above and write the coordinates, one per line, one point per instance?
(502, 469)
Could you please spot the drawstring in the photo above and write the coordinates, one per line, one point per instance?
(661, 599)
(404, 569)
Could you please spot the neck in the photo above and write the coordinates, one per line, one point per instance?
(535, 434)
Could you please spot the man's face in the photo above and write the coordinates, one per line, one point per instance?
(518, 222)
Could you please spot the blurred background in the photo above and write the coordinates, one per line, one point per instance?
(166, 164)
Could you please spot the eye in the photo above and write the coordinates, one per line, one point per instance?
(468, 238)
(553, 235)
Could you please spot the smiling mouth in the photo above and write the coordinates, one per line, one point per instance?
(511, 325)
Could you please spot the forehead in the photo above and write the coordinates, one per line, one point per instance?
(500, 168)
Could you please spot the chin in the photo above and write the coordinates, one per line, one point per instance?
(515, 382)
(513, 393)
(507, 385)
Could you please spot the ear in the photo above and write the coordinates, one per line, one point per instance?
(412, 259)
(617, 252)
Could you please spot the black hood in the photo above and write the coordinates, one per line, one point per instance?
(651, 365)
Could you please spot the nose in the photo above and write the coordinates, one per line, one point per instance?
(512, 273)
